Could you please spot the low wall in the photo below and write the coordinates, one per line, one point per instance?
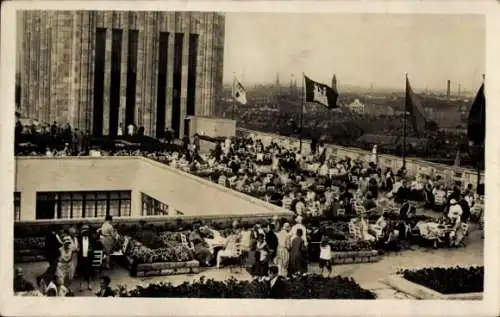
(212, 127)
(413, 165)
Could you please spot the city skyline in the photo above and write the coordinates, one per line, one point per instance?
(434, 48)
(431, 48)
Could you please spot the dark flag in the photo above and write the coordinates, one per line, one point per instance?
(413, 106)
(320, 93)
(476, 127)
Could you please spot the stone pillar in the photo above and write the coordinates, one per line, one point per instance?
(136, 204)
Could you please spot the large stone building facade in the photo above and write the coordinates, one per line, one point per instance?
(100, 70)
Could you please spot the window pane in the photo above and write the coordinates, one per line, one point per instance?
(102, 195)
(114, 206)
(77, 208)
(114, 195)
(90, 209)
(125, 208)
(65, 209)
(125, 195)
(65, 196)
(77, 196)
(101, 208)
(90, 196)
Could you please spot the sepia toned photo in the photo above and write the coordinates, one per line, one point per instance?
(245, 155)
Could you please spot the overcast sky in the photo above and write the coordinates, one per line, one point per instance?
(361, 49)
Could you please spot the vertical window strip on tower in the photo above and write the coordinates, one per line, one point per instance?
(162, 84)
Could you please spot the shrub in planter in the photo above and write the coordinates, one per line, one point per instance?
(299, 287)
(29, 243)
(454, 280)
(142, 254)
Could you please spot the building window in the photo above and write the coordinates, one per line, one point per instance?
(75, 205)
(17, 206)
(131, 76)
(153, 207)
(99, 63)
(162, 84)
(176, 85)
(191, 83)
(114, 89)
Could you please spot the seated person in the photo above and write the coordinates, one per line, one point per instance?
(369, 203)
(379, 226)
(229, 250)
(21, 284)
(201, 250)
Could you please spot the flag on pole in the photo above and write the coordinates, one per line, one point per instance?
(320, 93)
(457, 159)
(414, 108)
(239, 93)
(476, 127)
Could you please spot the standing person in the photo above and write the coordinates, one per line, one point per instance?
(108, 238)
(298, 225)
(298, 253)
(325, 256)
(272, 241)
(74, 258)
(262, 259)
(105, 290)
(85, 256)
(63, 270)
(52, 245)
(283, 256)
(278, 288)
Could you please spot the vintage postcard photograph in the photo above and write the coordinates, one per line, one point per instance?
(247, 154)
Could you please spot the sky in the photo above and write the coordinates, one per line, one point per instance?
(361, 49)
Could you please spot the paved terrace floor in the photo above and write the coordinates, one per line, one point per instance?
(368, 275)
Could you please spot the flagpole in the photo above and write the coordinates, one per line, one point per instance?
(404, 123)
(234, 100)
(480, 155)
(301, 114)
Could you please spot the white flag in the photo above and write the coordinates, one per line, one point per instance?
(239, 92)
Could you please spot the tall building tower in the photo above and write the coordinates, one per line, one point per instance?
(99, 70)
(448, 87)
(459, 89)
(278, 80)
(334, 82)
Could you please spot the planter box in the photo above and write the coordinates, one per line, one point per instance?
(418, 291)
(29, 255)
(162, 268)
(355, 257)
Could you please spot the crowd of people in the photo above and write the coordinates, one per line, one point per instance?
(70, 254)
(314, 185)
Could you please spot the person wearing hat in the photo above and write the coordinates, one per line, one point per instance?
(63, 271)
(298, 225)
(20, 283)
(85, 256)
(74, 258)
(282, 254)
(455, 211)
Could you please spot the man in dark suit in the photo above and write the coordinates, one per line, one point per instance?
(52, 245)
(105, 290)
(271, 241)
(278, 287)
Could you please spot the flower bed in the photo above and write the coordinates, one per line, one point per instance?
(455, 280)
(149, 254)
(301, 287)
(440, 283)
(29, 249)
